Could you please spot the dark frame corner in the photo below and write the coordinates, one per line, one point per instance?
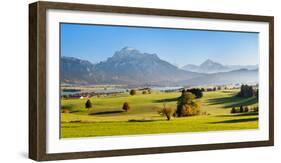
(37, 79)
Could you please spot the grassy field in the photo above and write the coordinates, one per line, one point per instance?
(107, 118)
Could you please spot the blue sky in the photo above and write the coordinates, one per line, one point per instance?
(180, 47)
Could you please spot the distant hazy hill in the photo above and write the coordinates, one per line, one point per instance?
(210, 66)
(231, 77)
(127, 66)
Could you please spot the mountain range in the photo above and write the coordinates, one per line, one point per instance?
(131, 67)
(210, 66)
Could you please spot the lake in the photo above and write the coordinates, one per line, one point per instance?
(67, 92)
(102, 91)
(166, 88)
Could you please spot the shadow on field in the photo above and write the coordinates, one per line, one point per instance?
(67, 106)
(239, 115)
(141, 120)
(233, 101)
(74, 111)
(166, 100)
(107, 112)
(237, 120)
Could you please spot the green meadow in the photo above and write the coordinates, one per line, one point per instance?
(106, 117)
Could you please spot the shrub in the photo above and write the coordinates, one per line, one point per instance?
(168, 112)
(256, 109)
(144, 92)
(88, 104)
(65, 97)
(133, 92)
(65, 111)
(233, 110)
(126, 107)
(186, 106)
(189, 110)
(246, 109)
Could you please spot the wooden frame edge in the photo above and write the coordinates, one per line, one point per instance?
(271, 80)
(156, 150)
(37, 80)
(33, 45)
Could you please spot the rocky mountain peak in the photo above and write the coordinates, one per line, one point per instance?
(209, 63)
(129, 52)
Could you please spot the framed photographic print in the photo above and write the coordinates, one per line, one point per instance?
(112, 81)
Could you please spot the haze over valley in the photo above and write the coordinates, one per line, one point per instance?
(132, 67)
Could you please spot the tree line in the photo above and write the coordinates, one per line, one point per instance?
(248, 91)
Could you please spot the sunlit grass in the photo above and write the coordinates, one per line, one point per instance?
(107, 117)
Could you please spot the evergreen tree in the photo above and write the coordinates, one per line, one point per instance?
(246, 91)
(241, 109)
(126, 107)
(88, 104)
(196, 91)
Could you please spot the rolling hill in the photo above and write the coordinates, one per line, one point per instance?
(231, 77)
